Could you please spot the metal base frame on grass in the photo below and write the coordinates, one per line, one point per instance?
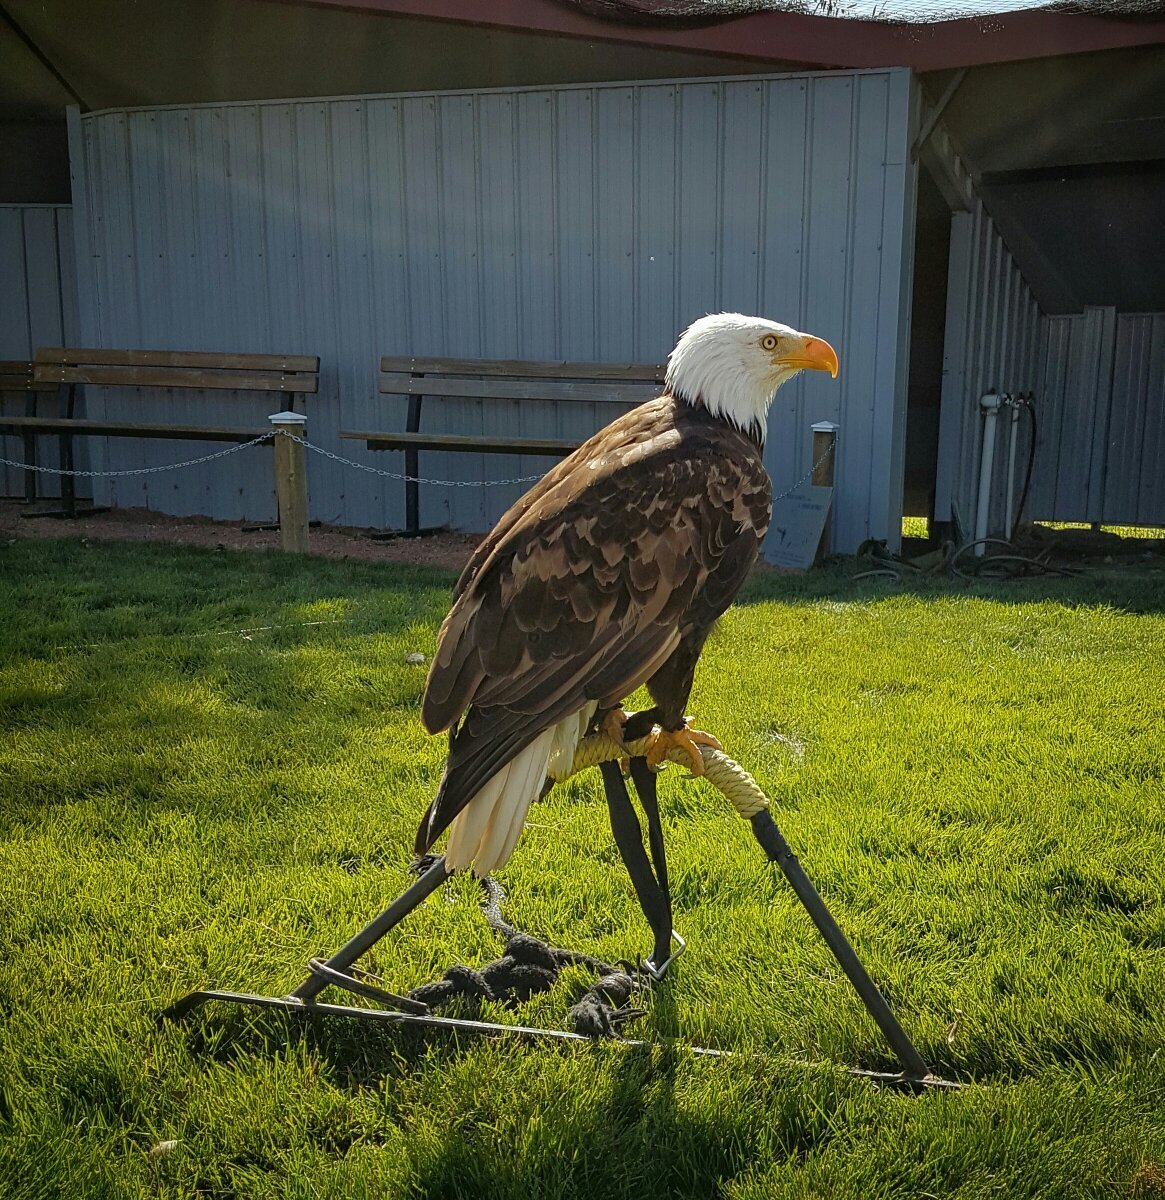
(339, 970)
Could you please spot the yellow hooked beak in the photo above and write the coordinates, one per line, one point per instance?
(815, 354)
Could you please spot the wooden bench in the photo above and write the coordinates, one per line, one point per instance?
(16, 376)
(65, 368)
(497, 380)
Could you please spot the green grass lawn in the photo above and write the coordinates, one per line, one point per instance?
(211, 769)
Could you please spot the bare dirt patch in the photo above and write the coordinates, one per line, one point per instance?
(329, 541)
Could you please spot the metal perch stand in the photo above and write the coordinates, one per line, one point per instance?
(749, 801)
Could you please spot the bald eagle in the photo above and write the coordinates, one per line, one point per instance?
(608, 574)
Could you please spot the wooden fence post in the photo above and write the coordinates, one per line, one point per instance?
(824, 440)
(291, 480)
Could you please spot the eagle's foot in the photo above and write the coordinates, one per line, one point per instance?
(612, 724)
(663, 741)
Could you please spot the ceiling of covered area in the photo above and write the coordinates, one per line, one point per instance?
(125, 53)
(1068, 154)
(1066, 143)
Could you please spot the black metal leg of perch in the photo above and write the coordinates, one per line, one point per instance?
(335, 969)
(396, 912)
(652, 885)
(652, 891)
(778, 851)
(644, 779)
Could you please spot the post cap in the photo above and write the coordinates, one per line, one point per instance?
(825, 427)
(287, 418)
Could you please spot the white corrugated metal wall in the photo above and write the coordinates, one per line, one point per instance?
(1100, 453)
(992, 344)
(38, 307)
(569, 222)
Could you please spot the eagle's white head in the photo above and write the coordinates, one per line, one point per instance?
(733, 364)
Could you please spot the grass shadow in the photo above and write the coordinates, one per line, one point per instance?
(1135, 589)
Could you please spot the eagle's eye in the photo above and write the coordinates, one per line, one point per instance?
(769, 342)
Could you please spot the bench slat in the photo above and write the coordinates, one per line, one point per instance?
(79, 356)
(182, 377)
(84, 427)
(520, 389)
(16, 376)
(518, 369)
(461, 444)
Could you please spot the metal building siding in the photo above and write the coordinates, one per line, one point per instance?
(38, 307)
(1100, 455)
(992, 345)
(1137, 430)
(570, 222)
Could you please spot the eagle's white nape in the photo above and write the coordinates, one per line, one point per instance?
(720, 363)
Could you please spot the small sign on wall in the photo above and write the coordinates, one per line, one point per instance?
(795, 532)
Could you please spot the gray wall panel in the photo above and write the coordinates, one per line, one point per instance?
(1151, 493)
(785, 181)
(991, 346)
(657, 162)
(497, 130)
(38, 307)
(1100, 454)
(880, 396)
(740, 229)
(576, 222)
(1127, 416)
(697, 195)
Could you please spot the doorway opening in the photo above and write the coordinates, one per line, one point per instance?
(928, 320)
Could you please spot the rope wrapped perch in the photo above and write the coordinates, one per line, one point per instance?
(743, 792)
(530, 965)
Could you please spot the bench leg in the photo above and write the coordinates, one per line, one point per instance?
(30, 450)
(412, 494)
(68, 484)
(30, 476)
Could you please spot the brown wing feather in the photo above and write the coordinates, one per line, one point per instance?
(584, 585)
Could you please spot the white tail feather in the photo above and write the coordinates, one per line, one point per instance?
(526, 778)
(487, 829)
(526, 772)
(567, 735)
(467, 828)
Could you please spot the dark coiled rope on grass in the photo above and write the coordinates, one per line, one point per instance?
(529, 965)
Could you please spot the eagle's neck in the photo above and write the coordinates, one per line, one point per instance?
(725, 388)
(749, 419)
(700, 415)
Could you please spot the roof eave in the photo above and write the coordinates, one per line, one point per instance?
(810, 40)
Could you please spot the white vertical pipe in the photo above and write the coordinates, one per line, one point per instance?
(1008, 530)
(989, 404)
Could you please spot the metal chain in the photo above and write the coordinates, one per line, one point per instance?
(808, 474)
(347, 462)
(497, 482)
(408, 478)
(191, 462)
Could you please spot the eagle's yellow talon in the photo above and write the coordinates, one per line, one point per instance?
(663, 741)
(612, 725)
